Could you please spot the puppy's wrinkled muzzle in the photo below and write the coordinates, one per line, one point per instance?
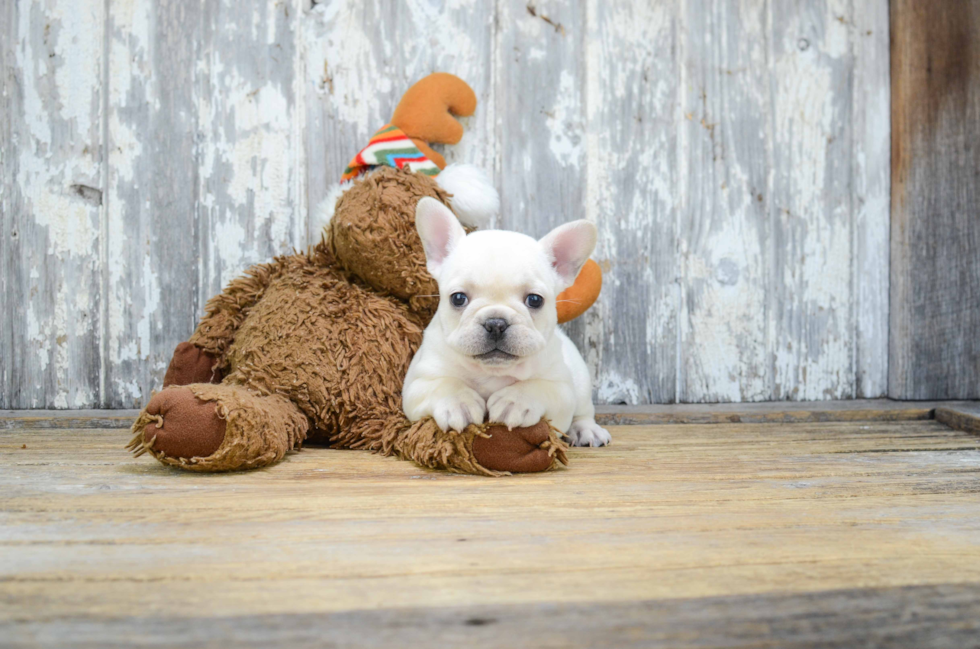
(496, 352)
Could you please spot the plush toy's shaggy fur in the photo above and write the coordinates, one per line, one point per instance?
(316, 345)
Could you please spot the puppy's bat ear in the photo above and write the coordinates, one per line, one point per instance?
(569, 246)
(439, 230)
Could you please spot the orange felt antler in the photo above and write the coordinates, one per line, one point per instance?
(577, 298)
(425, 112)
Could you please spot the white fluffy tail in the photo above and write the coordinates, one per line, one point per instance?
(475, 200)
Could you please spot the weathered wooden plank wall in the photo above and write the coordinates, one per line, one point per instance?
(935, 277)
(53, 168)
(151, 192)
(634, 88)
(733, 153)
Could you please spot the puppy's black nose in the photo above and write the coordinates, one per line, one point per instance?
(496, 327)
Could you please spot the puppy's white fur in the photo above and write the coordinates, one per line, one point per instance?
(497, 354)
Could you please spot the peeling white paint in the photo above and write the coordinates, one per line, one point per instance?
(132, 283)
(72, 224)
(838, 22)
(348, 59)
(248, 171)
(631, 193)
(562, 122)
(616, 389)
(811, 356)
(57, 63)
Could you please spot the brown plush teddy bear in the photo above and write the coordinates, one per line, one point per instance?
(316, 345)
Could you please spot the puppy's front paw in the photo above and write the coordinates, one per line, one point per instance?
(458, 411)
(512, 408)
(585, 432)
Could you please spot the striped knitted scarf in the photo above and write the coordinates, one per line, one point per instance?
(391, 147)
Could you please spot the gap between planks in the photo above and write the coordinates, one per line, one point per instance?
(960, 415)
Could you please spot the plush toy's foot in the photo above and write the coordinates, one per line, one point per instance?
(204, 427)
(521, 450)
(183, 425)
(191, 364)
(489, 449)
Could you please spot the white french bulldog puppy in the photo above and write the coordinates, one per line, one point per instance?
(493, 347)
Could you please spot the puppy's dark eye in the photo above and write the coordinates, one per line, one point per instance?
(534, 301)
(458, 299)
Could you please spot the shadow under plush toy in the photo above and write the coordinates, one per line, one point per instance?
(316, 345)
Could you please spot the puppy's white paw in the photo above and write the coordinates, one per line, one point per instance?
(585, 432)
(458, 411)
(512, 408)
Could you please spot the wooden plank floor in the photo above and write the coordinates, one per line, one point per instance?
(750, 534)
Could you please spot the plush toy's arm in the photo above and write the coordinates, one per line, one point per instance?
(226, 311)
(488, 449)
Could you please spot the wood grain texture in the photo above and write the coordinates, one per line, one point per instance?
(7, 101)
(51, 198)
(910, 617)
(772, 412)
(961, 416)
(540, 93)
(870, 196)
(733, 155)
(66, 419)
(780, 528)
(632, 334)
(811, 283)
(935, 233)
(152, 200)
(726, 141)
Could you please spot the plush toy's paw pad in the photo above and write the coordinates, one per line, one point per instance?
(185, 426)
(191, 364)
(585, 432)
(518, 450)
(512, 408)
(460, 410)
